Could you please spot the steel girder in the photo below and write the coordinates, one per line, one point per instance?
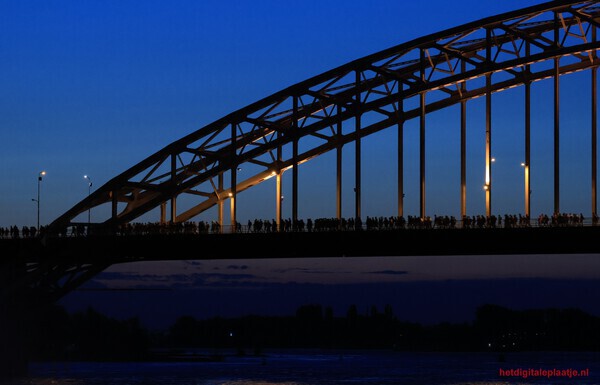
(38, 283)
(509, 49)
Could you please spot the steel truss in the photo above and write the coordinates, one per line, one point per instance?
(341, 106)
(41, 281)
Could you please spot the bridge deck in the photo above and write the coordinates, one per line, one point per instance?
(405, 242)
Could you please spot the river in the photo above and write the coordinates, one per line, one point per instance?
(331, 367)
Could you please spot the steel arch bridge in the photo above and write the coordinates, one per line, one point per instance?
(440, 70)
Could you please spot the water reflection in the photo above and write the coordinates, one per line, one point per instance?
(321, 368)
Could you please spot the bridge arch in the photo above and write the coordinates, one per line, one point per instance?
(340, 107)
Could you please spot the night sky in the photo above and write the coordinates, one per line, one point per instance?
(93, 87)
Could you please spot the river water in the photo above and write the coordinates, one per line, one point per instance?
(325, 368)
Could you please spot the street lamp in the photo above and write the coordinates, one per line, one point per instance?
(40, 175)
(489, 161)
(527, 189)
(488, 179)
(89, 191)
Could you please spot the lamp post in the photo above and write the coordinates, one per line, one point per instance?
(40, 175)
(487, 187)
(527, 189)
(89, 192)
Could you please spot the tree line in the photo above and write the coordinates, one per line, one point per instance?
(89, 335)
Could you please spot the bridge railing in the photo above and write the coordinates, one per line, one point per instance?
(320, 225)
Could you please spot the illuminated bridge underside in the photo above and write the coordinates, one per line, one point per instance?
(342, 106)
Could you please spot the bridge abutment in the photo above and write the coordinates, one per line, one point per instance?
(16, 304)
(13, 350)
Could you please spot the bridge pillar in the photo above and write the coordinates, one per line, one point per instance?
(279, 188)
(295, 162)
(13, 352)
(338, 184)
(14, 318)
(163, 212)
(173, 213)
(400, 153)
(278, 199)
(463, 148)
(488, 145)
(221, 204)
(357, 156)
(233, 193)
(556, 136)
(232, 209)
(527, 164)
(594, 129)
(422, 157)
(422, 114)
(488, 127)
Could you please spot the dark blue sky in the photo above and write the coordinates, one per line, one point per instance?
(93, 87)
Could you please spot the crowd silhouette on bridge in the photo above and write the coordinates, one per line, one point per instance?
(352, 224)
(322, 224)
